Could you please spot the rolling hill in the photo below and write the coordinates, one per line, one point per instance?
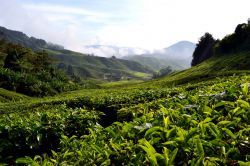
(80, 65)
(88, 66)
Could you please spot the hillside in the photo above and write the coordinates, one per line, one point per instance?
(88, 66)
(22, 39)
(221, 66)
(81, 66)
(156, 63)
(137, 124)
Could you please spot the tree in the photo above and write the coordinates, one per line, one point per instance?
(204, 49)
(14, 55)
(241, 32)
(41, 60)
(238, 41)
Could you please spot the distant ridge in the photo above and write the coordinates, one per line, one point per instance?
(22, 39)
(178, 56)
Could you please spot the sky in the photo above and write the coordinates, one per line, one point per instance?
(141, 24)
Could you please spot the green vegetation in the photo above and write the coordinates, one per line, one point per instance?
(206, 122)
(217, 66)
(80, 67)
(120, 83)
(6, 96)
(234, 43)
(22, 39)
(30, 73)
(89, 66)
(204, 49)
(163, 72)
(199, 116)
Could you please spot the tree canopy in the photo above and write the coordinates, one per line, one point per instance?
(239, 40)
(19, 58)
(204, 49)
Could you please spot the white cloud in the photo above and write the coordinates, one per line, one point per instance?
(58, 10)
(150, 24)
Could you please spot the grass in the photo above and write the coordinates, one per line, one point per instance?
(7, 96)
(120, 83)
(219, 66)
(141, 75)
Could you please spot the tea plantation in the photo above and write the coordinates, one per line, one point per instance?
(199, 116)
(203, 123)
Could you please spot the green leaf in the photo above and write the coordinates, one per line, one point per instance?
(170, 143)
(53, 160)
(212, 130)
(153, 129)
(242, 163)
(224, 122)
(212, 161)
(235, 110)
(171, 133)
(38, 158)
(222, 103)
(54, 154)
(199, 161)
(26, 160)
(229, 132)
(67, 153)
(191, 133)
(243, 103)
(166, 122)
(149, 149)
(208, 109)
(166, 155)
(245, 89)
(207, 120)
(172, 156)
(199, 147)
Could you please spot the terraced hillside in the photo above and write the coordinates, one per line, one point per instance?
(89, 66)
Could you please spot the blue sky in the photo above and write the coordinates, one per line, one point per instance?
(147, 24)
